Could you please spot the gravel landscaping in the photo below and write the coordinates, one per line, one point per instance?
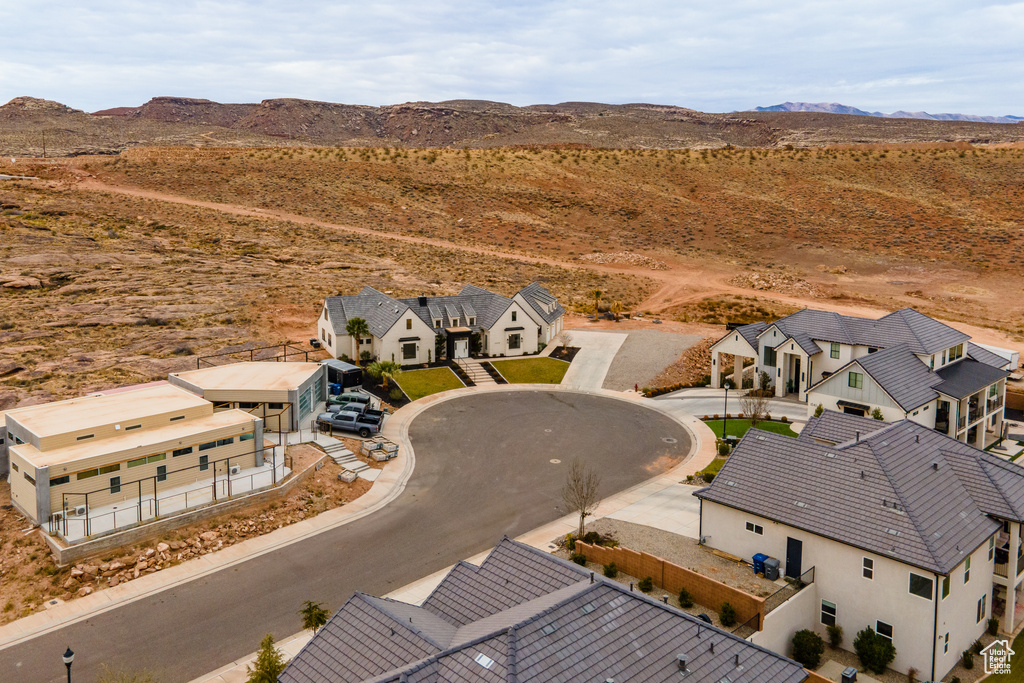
(643, 355)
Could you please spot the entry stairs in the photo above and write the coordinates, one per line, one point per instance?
(475, 371)
(346, 458)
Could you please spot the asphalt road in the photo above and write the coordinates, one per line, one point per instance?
(483, 469)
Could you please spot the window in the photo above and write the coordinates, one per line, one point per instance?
(107, 469)
(207, 446)
(945, 643)
(437, 324)
(57, 481)
(945, 587)
(408, 323)
(84, 437)
(868, 568)
(770, 357)
(755, 528)
(991, 548)
(513, 316)
(248, 405)
(204, 462)
(226, 442)
(330, 339)
(956, 352)
(933, 362)
(921, 586)
(409, 351)
(14, 466)
(981, 608)
(323, 334)
(834, 351)
(247, 437)
(161, 473)
(86, 474)
(856, 380)
(967, 569)
(137, 462)
(128, 429)
(276, 406)
(367, 341)
(943, 358)
(883, 629)
(828, 613)
(115, 484)
(29, 479)
(180, 451)
(178, 417)
(514, 341)
(472, 321)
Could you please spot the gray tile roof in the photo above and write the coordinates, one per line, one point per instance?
(584, 631)
(983, 355)
(903, 491)
(540, 301)
(379, 310)
(833, 427)
(902, 375)
(920, 333)
(748, 332)
(965, 377)
(473, 301)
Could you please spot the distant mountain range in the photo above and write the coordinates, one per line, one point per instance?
(834, 108)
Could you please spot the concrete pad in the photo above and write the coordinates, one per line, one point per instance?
(591, 364)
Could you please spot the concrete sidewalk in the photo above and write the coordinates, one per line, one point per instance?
(662, 502)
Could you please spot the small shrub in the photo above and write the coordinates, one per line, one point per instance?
(954, 679)
(685, 599)
(579, 558)
(723, 448)
(783, 419)
(874, 651)
(819, 410)
(967, 658)
(835, 637)
(610, 570)
(911, 675)
(570, 542)
(592, 537)
(709, 477)
(977, 647)
(993, 626)
(876, 414)
(727, 615)
(395, 394)
(807, 648)
(646, 584)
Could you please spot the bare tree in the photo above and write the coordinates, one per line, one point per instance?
(579, 493)
(754, 405)
(564, 339)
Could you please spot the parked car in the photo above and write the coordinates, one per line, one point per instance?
(361, 409)
(350, 422)
(346, 398)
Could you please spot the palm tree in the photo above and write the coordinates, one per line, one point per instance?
(616, 309)
(389, 370)
(357, 329)
(597, 294)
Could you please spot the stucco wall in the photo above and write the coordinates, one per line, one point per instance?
(497, 337)
(797, 613)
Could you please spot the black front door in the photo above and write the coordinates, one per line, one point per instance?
(794, 554)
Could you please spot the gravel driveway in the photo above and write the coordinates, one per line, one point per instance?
(643, 355)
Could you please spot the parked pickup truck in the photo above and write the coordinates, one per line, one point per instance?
(350, 422)
(348, 398)
(364, 411)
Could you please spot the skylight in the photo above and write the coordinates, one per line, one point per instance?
(484, 661)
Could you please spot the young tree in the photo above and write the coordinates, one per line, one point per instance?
(313, 615)
(579, 492)
(268, 665)
(564, 339)
(754, 405)
(616, 309)
(597, 294)
(819, 410)
(357, 329)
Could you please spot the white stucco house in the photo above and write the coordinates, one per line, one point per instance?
(909, 531)
(404, 330)
(905, 364)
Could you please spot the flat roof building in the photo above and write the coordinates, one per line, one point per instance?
(282, 394)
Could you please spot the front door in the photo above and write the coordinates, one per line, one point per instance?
(794, 555)
(462, 348)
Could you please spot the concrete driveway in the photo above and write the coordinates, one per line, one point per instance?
(485, 466)
(703, 401)
(591, 364)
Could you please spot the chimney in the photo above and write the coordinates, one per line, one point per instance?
(422, 300)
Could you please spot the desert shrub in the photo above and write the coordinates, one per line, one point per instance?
(993, 626)
(570, 542)
(685, 599)
(967, 658)
(723, 448)
(783, 419)
(808, 648)
(727, 614)
(646, 584)
(396, 394)
(835, 637)
(709, 477)
(610, 570)
(912, 675)
(874, 651)
(977, 647)
(592, 537)
(579, 558)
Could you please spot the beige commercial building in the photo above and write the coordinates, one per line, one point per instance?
(119, 452)
(283, 395)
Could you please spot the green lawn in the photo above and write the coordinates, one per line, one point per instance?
(738, 427)
(419, 383)
(532, 370)
(714, 467)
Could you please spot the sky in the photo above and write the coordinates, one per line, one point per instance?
(719, 55)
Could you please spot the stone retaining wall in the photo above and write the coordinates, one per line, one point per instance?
(672, 578)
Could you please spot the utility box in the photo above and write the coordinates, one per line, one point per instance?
(849, 675)
(771, 569)
(759, 563)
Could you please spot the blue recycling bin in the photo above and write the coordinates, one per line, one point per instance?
(759, 563)
(335, 389)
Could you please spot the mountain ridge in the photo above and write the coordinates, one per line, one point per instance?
(836, 108)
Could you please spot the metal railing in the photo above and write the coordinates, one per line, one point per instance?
(773, 602)
(994, 404)
(278, 353)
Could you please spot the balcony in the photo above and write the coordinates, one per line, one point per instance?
(994, 404)
(961, 422)
(1002, 558)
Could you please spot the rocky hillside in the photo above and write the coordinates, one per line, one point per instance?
(28, 125)
(836, 108)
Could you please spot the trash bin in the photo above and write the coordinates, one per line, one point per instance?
(771, 569)
(759, 563)
(335, 389)
(849, 675)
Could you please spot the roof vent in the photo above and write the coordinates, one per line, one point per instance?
(917, 438)
(935, 466)
(857, 436)
(830, 455)
(549, 629)
(800, 504)
(862, 474)
(730, 483)
(588, 608)
(682, 661)
(892, 532)
(483, 660)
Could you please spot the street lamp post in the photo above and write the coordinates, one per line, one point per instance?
(69, 658)
(725, 416)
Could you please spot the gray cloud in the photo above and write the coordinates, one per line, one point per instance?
(938, 55)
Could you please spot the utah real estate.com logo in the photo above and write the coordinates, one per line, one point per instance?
(997, 657)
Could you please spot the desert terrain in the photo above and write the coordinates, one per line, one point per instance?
(118, 269)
